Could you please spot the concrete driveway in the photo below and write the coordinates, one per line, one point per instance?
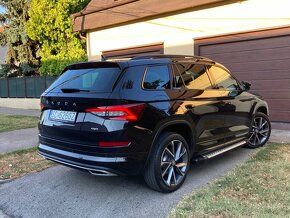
(17, 111)
(65, 192)
(18, 139)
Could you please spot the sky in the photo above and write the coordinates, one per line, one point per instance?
(1, 9)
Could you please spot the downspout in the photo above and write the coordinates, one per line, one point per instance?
(83, 33)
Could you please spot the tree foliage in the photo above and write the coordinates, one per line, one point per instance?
(50, 24)
(22, 51)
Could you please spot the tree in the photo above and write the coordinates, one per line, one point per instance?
(21, 57)
(51, 25)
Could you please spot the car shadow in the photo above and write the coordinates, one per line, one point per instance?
(201, 172)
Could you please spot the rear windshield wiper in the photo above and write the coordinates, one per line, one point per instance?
(70, 90)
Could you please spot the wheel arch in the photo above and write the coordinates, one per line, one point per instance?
(263, 109)
(181, 127)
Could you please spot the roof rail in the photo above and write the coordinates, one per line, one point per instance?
(158, 56)
(117, 59)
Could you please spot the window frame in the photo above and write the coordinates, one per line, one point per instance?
(215, 85)
(184, 87)
(155, 65)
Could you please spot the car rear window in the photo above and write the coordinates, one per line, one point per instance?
(91, 80)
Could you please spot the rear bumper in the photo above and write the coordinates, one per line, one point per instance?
(95, 164)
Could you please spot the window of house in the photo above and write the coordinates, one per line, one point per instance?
(157, 77)
(194, 76)
(223, 79)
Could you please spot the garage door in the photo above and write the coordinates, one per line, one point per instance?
(261, 57)
(130, 52)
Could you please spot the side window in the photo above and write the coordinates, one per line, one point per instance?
(222, 78)
(177, 80)
(194, 76)
(157, 77)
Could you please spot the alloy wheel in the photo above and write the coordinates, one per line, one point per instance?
(174, 163)
(259, 132)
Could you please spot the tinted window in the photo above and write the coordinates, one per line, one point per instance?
(223, 79)
(177, 80)
(157, 77)
(93, 80)
(194, 76)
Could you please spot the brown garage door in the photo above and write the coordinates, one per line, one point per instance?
(261, 57)
(157, 48)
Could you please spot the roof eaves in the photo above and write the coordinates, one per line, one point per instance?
(123, 12)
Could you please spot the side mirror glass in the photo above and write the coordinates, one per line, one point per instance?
(246, 86)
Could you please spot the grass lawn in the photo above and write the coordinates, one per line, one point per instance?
(258, 188)
(13, 122)
(21, 162)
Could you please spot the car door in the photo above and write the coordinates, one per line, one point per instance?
(235, 104)
(200, 103)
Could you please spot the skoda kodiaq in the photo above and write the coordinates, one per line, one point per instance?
(150, 115)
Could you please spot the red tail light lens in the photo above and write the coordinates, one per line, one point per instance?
(41, 106)
(130, 112)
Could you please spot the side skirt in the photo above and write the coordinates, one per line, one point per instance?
(218, 151)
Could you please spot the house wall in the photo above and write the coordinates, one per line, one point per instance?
(177, 32)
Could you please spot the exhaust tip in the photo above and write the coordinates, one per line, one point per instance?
(101, 173)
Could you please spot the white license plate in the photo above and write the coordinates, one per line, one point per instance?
(68, 116)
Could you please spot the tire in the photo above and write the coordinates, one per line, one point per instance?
(164, 173)
(260, 131)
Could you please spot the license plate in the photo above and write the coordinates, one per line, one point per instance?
(68, 116)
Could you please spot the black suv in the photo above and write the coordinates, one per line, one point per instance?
(150, 115)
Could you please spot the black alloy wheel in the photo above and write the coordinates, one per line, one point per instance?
(260, 132)
(169, 162)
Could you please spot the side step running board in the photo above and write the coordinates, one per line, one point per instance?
(220, 151)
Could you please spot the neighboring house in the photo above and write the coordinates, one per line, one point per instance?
(251, 38)
(3, 51)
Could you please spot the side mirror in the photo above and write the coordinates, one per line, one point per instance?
(246, 85)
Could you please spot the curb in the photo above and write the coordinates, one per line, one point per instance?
(2, 181)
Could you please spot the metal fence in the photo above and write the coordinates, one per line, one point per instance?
(24, 87)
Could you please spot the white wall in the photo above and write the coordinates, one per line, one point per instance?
(22, 103)
(178, 31)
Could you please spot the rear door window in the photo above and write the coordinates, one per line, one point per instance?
(157, 77)
(177, 80)
(91, 80)
(194, 76)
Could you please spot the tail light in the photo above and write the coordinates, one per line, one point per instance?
(41, 106)
(113, 144)
(130, 112)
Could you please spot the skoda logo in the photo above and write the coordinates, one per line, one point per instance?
(66, 103)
